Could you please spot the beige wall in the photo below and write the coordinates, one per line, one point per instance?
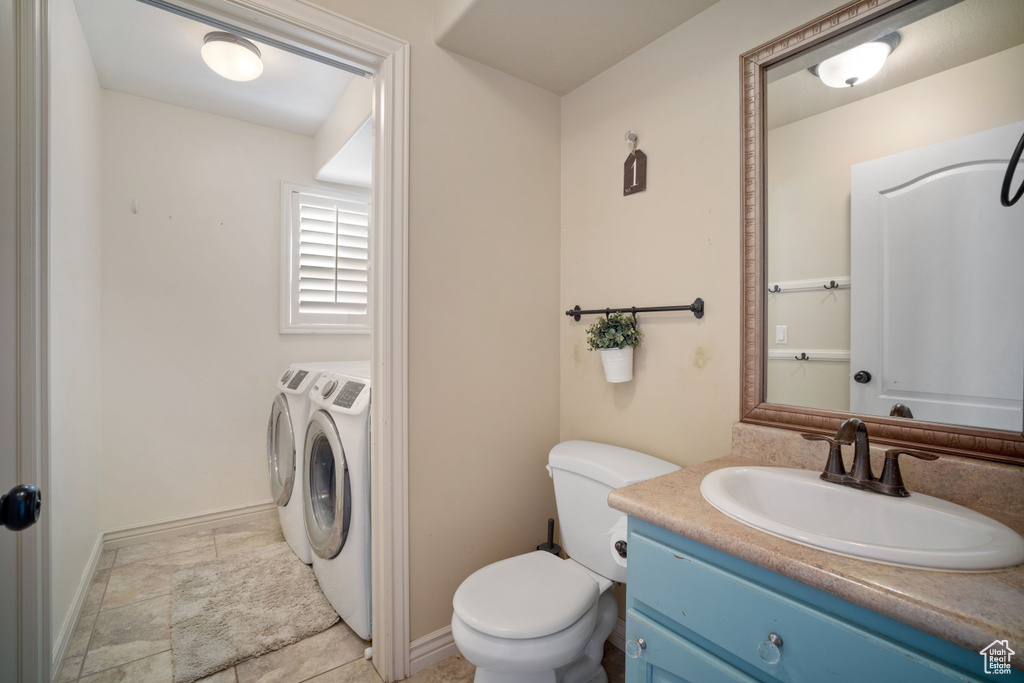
(676, 241)
(483, 310)
(809, 207)
(76, 402)
(190, 307)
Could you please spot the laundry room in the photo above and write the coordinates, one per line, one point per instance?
(171, 194)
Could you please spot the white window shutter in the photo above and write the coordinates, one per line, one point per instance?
(329, 264)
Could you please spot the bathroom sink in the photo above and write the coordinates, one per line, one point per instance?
(920, 531)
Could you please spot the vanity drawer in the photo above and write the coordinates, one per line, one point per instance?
(669, 658)
(736, 614)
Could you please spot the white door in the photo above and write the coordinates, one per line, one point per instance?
(24, 647)
(8, 346)
(937, 317)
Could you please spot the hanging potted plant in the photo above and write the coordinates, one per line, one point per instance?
(615, 336)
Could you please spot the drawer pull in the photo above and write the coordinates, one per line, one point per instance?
(769, 650)
(635, 648)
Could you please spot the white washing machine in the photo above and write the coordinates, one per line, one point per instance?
(289, 413)
(336, 485)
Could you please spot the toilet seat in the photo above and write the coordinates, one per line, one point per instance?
(523, 655)
(527, 596)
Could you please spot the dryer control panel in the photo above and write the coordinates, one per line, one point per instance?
(295, 381)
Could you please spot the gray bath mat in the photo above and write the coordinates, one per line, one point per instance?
(226, 611)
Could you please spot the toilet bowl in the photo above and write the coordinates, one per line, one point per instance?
(537, 618)
(522, 618)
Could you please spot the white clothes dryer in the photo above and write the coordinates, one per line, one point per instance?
(336, 483)
(289, 414)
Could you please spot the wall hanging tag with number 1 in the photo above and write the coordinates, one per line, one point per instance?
(634, 171)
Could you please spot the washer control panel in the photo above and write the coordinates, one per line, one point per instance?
(349, 394)
(346, 395)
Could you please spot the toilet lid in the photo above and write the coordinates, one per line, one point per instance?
(527, 596)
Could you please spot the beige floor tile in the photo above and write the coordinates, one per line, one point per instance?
(69, 670)
(166, 546)
(237, 532)
(242, 544)
(614, 663)
(149, 578)
(458, 670)
(359, 671)
(225, 676)
(155, 669)
(75, 655)
(94, 596)
(315, 655)
(125, 634)
(106, 559)
(452, 670)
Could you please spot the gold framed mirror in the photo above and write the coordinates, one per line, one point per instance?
(799, 52)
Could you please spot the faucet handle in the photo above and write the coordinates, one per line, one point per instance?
(891, 481)
(900, 410)
(834, 467)
(818, 437)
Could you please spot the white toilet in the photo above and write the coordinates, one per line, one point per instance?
(537, 618)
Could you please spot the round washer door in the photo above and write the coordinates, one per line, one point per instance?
(281, 451)
(328, 500)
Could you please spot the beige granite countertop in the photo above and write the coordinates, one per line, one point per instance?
(969, 609)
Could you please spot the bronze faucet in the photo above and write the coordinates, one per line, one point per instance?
(854, 431)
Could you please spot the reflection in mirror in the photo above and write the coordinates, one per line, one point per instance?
(893, 273)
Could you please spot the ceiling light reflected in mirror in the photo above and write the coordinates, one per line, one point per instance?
(855, 66)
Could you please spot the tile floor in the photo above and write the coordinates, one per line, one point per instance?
(124, 633)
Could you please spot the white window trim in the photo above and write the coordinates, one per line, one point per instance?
(292, 321)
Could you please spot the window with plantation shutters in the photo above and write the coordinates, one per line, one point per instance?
(326, 260)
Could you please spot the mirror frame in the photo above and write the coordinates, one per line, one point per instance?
(987, 444)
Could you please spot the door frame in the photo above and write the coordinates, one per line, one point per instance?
(387, 57)
(28, 219)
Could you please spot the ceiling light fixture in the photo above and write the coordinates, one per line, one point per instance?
(855, 66)
(232, 57)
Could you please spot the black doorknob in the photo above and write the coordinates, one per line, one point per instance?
(20, 507)
(862, 377)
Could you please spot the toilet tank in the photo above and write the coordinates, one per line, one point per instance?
(584, 473)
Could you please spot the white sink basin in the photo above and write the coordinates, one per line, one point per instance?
(919, 531)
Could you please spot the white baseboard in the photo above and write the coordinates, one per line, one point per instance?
(168, 528)
(430, 649)
(67, 629)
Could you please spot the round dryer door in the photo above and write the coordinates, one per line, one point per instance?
(281, 451)
(328, 500)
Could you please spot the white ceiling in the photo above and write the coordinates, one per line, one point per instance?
(149, 52)
(557, 45)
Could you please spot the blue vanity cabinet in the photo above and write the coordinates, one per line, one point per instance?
(704, 615)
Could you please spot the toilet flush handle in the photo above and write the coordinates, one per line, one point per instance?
(620, 548)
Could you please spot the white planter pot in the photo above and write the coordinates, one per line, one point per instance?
(618, 364)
